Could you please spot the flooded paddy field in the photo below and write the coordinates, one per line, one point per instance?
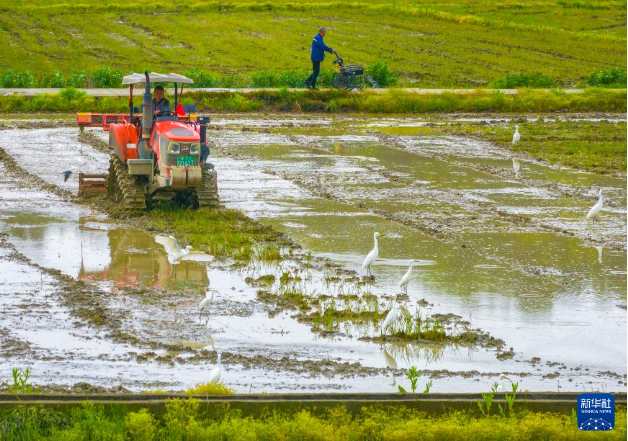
(91, 300)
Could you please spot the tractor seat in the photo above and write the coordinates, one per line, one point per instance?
(167, 118)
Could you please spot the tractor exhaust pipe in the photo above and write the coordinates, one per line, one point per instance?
(147, 110)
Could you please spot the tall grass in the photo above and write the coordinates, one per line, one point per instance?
(332, 100)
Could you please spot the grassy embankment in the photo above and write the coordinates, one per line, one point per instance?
(183, 421)
(283, 100)
(432, 43)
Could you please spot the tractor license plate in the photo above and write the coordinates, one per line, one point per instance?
(185, 160)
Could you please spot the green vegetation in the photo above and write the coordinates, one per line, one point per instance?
(219, 232)
(514, 81)
(413, 375)
(183, 420)
(614, 77)
(106, 77)
(210, 389)
(596, 146)
(420, 326)
(331, 100)
(20, 382)
(432, 43)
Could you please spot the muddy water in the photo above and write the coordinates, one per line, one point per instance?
(330, 183)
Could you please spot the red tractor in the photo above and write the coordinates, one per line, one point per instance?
(163, 157)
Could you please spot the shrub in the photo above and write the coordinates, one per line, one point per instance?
(210, 389)
(266, 78)
(140, 426)
(53, 80)
(613, 77)
(513, 81)
(78, 78)
(379, 72)
(70, 94)
(294, 78)
(107, 77)
(12, 78)
(202, 78)
(231, 81)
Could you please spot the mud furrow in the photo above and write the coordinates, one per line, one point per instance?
(480, 213)
(580, 193)
(23, 177)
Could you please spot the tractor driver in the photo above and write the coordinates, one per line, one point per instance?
(160, 104)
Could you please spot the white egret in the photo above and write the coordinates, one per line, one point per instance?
(595, 211)
(206, 303)
(516, 137)
(403, 283)
(392, 317)
(372, 256)
(516, 165)
(175, 252)
(216, 373)
(500, 386)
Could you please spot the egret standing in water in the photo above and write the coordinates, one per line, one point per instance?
(597, 208)
(403, 283)
(516, 165)
(371, 257)
(216, 373)
(516, 137)
(392, 317)
(206, 303)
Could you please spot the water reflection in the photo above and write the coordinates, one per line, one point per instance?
(90, 249)
(136, 261)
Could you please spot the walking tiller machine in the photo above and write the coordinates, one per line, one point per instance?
(351, 76)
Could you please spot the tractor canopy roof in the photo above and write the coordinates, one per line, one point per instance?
(155, 77)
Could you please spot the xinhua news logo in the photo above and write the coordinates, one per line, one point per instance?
(596, 412)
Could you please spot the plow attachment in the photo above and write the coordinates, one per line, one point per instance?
(92, 183)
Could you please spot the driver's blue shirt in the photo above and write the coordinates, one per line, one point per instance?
(163, 105)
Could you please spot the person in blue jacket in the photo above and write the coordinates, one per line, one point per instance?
(318, 54)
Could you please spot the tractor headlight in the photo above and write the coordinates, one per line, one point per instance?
(174, 148)
(195, 148)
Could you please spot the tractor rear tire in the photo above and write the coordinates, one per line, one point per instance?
(124, 187)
